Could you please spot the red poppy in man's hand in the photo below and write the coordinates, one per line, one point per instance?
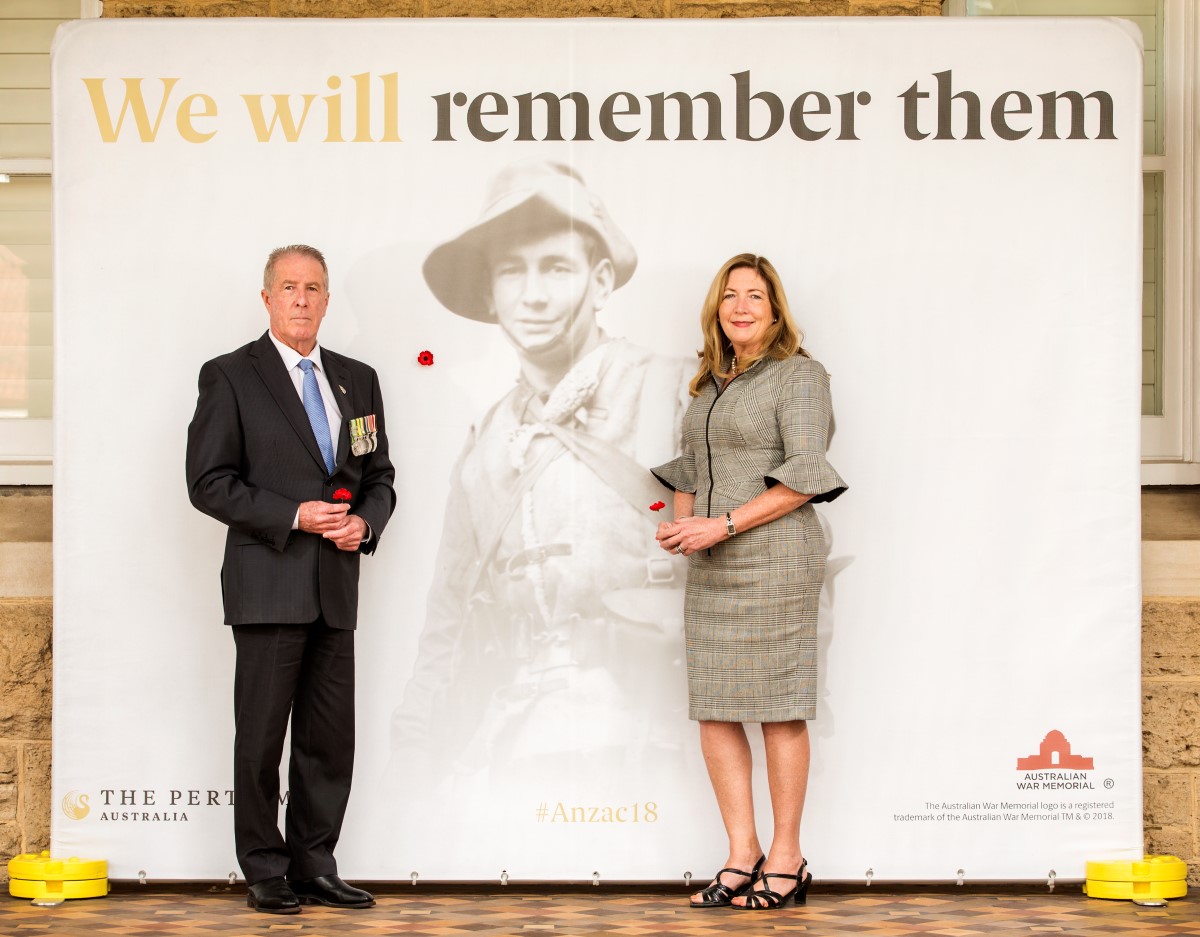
(425, 358)
(342, 494)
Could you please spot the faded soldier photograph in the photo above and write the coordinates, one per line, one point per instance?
(552, 636)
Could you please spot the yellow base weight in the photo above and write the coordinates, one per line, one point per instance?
(1155, 878)
(41, 878)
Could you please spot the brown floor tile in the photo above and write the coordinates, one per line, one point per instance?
(611, 911)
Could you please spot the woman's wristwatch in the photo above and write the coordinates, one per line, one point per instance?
(729, 524)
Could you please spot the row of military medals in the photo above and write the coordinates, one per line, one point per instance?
(363, 438)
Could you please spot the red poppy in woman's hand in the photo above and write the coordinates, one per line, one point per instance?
(657, 506)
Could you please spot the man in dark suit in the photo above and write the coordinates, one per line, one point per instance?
(287, 449)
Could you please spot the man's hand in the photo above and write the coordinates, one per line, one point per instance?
(333, 522)
(350, 536)
(321, 517)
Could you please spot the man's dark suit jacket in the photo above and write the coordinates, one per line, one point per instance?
(252, 458)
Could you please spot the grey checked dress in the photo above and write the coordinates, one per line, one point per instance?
(750, 611)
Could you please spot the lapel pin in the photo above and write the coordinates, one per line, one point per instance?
(341, 388)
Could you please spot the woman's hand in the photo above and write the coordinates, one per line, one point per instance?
(689, 534)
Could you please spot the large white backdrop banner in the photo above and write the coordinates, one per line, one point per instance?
(955, 208)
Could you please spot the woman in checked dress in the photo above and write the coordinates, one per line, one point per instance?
(752, 466)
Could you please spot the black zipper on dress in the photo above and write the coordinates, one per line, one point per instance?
(708, 445)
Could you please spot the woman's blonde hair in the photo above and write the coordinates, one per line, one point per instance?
(783, 338)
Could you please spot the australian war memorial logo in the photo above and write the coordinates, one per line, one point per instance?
(1055, 767)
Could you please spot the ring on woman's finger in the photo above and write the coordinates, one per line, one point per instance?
(679, 550)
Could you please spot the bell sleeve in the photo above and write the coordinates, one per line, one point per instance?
(680, 473)
(804, 411)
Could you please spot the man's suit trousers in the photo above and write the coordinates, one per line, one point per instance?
(307, 671)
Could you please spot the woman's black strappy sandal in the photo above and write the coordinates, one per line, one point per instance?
(764, 899)
(720, 895)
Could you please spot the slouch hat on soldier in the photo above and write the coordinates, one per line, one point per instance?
(535, 193)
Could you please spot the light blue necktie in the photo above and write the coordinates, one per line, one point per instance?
(314, 406)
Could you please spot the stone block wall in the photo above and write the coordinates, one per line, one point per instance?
(1171, 673)
(25, 671)
(1171, 728)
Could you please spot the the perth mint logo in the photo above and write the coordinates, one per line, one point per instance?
(1055, 767)
(142, 805)
(75, 805)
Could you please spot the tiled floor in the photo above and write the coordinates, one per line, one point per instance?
(220, 911)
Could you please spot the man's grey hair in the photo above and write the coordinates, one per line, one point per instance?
(302, 250)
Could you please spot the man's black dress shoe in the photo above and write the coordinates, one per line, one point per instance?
(272, 896)
(332, 891)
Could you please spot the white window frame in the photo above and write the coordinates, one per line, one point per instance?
(1170, 454)
(27, 446)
